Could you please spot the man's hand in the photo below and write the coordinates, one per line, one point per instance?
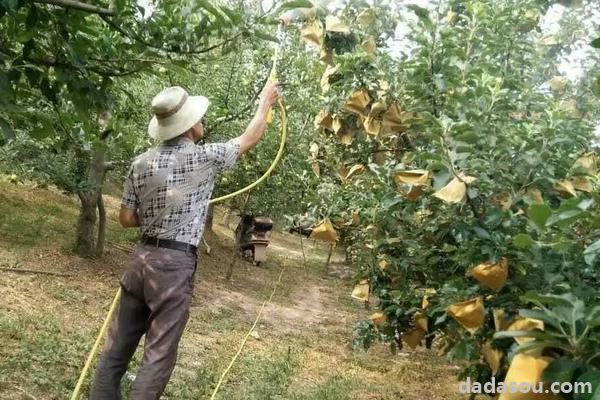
(269, 94)
(256, 128)
(129, 218)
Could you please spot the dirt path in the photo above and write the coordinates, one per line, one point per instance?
(306, 310)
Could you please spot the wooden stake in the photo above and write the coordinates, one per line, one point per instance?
(303, 255)
(235, 243)
(230, 270)
(331, 246)
(33, 271)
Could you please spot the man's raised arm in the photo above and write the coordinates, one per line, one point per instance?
(257, 126)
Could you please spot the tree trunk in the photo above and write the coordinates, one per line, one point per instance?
(101, 225)
(86, 224)
(230, 269)
(227, 216)
(85, 243)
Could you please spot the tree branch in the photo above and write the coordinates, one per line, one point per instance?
(60, 119)
(230, 80)
(137, 38)
(78, 6)
(92, 68)
(239, 113)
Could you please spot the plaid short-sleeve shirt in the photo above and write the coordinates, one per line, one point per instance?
(171, 186)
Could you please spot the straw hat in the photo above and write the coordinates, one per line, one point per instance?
(175, 112)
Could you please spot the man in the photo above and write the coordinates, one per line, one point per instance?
(166, 195)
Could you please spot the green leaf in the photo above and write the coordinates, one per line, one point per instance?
(539, 214)
(516, 334)
(591, 252)
(562, 245)
(540, 345)
(423, 15)
(39, 132)
(464, 349)
(593, 317)
(578, 311)
(523, 241)
(566, 216)
(6, 129)
(233, 16)
(5, 88)
(421, 12)
(265, 36)
(441, 179)
(177, 69)
(596, 43)
(391, 201)
(589, 379)
(296, 4)
(570, 210)
(561, 370)
(541, 300)
(547, 317)
(441, 319)
(212, 9)
(48, 90)
(481, 233)
(585, 204)
(469, 137)
(24, 36)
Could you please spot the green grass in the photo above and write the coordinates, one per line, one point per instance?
(258, 375)
(335, 388)
(116, 233)
(23, 226)
(36, 350)
(39, 353)
(266, 374)
(46, 218)
(66, 293)
(226, 321)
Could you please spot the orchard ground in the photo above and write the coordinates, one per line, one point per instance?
(301, 349)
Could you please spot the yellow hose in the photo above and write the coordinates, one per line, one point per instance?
(237, 354)
(113, 306)
(273, 164)
(94, 350)
(283, 115)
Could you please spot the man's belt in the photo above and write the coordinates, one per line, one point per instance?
(169, 244)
